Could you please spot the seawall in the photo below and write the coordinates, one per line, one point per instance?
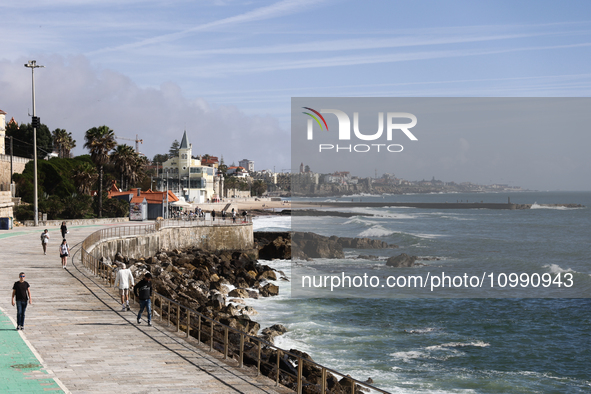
(209, 238)
(430, 205)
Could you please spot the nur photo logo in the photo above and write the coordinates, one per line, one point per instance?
(344, 130)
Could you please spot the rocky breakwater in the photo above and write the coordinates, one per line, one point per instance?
(308, 245)
(215, 285)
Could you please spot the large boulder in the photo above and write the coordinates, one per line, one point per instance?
(269, 290)
(402, 260)
(240, 293)
(269, 333)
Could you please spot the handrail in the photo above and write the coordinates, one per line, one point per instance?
(105, 272)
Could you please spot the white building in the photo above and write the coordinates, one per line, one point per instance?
(248, 165)
(187, 178)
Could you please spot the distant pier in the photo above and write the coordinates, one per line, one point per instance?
(429, 205)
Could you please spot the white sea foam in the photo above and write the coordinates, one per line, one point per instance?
(376, 231)
(409, 355)
(535, 205)
(422, 330)
(458, 344)
(556, 269)
(271, 223)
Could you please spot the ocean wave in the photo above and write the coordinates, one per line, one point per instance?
(271, 223)
(556, 269)
(360, 220)
(376, 231)
(422, 330)
(409, 355)
(458, 345)
(535, 205)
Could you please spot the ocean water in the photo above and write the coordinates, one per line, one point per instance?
(479, 344)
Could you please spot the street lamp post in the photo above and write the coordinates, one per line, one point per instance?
(32, 64)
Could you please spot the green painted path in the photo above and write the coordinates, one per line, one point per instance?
(20, 370)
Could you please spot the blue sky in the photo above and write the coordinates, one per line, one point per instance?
(226, 70)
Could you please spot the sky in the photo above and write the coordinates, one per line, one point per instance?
(225, 71)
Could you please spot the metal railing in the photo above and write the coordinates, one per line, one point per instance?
(211, 332)
(204, 221)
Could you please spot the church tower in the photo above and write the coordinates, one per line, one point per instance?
(185, 152)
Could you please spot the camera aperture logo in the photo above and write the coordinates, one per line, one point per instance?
(345, 131)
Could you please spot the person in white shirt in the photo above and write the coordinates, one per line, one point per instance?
(124, 276)
(64, 253)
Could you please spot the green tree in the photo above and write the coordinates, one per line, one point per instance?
(174, 149)
(124, 158)
(63, 142)
(23, 140)
(84, 176)
(259, 187)
(159, 158)
(100, 141)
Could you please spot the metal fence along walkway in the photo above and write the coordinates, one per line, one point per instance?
(215, 334)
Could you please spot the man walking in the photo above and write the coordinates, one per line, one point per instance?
(143, 290)
(21, 290)
(124, 276)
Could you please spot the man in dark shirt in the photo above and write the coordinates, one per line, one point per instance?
(21, 290)
(143, 290)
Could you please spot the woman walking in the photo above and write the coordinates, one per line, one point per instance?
(64, 253)
(64, 229)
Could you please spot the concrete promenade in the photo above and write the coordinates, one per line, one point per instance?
(84, 344)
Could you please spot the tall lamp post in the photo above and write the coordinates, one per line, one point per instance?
(32, 64)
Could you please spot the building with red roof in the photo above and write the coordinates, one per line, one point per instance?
(156, 203)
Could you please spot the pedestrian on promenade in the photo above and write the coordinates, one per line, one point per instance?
(124, 276)
(233, 216)
(213, 215)
(44, 240)
(224, 216)
(244, 215)
(143, 291)
(64, 229)
(21, 290)
(64, 253)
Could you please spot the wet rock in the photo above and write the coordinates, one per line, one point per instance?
(241, 293)
(402, 260)
(269, 290)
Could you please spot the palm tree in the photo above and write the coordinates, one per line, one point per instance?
(124, 157)
(68, 145)
(100, 141)
(84, 177)
(63, 142)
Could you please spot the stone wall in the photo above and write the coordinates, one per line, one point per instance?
(209, 238)
(18, 166)
(6, 205)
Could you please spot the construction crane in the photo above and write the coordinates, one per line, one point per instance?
(137, 142)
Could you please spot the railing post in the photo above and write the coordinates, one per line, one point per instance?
(198, 328)
(168, 314)
(323, 386)
(299, 380)
(277, 377)
(352, 386)
(225, 343)
(240, 360)
(161, 309)
(211, 336)
(188, 321)
(259, 359)
(178, 317)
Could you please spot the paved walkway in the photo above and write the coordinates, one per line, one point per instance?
(85, 344)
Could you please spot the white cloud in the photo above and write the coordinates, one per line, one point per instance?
(70, 94)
